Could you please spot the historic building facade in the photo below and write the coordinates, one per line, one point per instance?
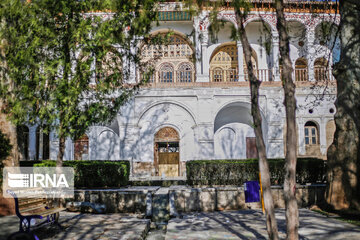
(197, 104)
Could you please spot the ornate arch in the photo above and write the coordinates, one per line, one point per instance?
(169, 56)
(301, 70)
(224, 63)
(178, 104)
(167, 134)
(185, 72)
(166, 73)
(269, 19)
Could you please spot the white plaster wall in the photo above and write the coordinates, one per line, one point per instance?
(184, 27)
(192, 111)
(159, 116)
(104, 144)
(230, 141)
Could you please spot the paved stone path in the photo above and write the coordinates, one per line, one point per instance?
(244, 224)
(85, 226)
(250, 224)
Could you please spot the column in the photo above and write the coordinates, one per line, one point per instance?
(301, 137)
(240, 62)
(276, 66)
(32, 142)
(198, 55)
(205, 66)
(41, 144)
(310, 38)
(131, 64)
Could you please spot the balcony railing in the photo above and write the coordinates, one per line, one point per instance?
(231, 75)
(301, 75)
(323, 74)
(264, 75)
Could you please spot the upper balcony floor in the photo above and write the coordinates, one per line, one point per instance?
(197, 55)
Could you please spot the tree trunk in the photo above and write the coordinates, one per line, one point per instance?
(271, 224)
(344, 154)
(60, 156)
(292, 212)
(10, 131)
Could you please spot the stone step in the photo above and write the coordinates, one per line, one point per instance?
(160, 206)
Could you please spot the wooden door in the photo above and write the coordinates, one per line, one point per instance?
(251, 150)
(169, 164)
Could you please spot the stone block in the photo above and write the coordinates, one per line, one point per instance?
(179, 201)
(94, 197)
(207, 200)
(227, 199)
(192, 200)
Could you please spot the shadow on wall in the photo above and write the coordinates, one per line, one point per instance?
(108, 147)
(137, 142)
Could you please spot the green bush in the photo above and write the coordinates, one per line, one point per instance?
(236, 172)
(95, 173)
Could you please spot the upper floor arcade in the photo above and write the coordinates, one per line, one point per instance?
(196, 53)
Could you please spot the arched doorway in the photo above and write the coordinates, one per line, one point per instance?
(81, 148)
(166, 152)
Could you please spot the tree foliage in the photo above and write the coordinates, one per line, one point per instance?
(64, 60)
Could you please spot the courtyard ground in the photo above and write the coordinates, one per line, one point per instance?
(243, 224)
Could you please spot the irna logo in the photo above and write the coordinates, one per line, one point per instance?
(37, 180)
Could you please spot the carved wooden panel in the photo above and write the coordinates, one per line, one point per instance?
(167, 134)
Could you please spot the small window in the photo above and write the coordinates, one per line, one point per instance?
(311, 134)
(217, 75)
(184, 73)
(166, 73)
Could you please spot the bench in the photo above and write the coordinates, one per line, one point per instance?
(34, 208)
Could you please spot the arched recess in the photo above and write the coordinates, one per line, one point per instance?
(81, 148)
(238, 143)
(108, 147)
(322, 70)
(166, 152)
(167, 57)
(312, 138)
(326, 35)
(224, 63)
(297, 33)
(22, 132)
(42, 144)
(165, 114)
(259, 34)
(301, 70)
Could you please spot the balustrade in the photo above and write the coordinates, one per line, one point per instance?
(264, 75)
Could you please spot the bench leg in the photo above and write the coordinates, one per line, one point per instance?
(24, 225)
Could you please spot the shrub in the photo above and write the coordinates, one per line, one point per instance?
(236, 172)
(95, 173)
